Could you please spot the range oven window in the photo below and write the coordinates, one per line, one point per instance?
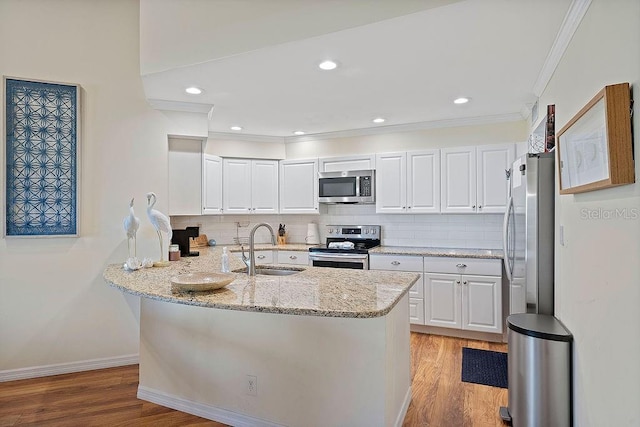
(338, 187)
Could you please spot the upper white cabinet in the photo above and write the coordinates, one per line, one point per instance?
(473, 178)
(493, 187)
(299, 186)
(211, 185)
(185, 176)
(408, 182)
(250, 186)
(391, 183)
(350, 163)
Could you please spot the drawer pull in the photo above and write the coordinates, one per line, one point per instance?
(261, 257)
(395, 262)
(293, 257)
(461, 265)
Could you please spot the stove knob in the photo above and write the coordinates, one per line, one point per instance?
(367, 231)
(373, 231)
(330, 230)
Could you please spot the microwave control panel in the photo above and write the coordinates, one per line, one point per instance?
(365, 186)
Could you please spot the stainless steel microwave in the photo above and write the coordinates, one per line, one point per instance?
(347, 187)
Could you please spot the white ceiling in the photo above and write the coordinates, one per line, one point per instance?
(405, 63)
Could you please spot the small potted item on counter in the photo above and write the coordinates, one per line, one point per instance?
(174, 252)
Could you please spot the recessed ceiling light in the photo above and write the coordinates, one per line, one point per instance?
(461, 100)
(378, 120)
(236, 127)
(193, 90)
(327, 65)
(299, 132)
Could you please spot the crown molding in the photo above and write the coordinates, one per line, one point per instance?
(572, 19)
(246, 137)
(188, 107)
(380, 130)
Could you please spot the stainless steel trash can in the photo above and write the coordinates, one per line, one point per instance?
(539, 372)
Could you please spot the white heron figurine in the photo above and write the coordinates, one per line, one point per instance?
(131, 224)
(161, 223)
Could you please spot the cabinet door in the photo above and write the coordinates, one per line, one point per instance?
(442, 300)
(211, 185)
(391, 183)
(458, 182)
(264, 186)
(185, 176)
(236, 184)
(482, 303)
(423, 181)
(351, 163)
(492, 184)
(264, 257)
(299, 186)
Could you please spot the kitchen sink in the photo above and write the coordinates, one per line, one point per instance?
(275, 271)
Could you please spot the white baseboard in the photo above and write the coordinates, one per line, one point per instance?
(67, 368)
(202, 410)
(403, 409)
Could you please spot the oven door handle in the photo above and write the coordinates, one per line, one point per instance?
(332, 257)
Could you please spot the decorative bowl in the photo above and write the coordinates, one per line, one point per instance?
(200, 282)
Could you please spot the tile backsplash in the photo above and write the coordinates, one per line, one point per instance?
(432, 230)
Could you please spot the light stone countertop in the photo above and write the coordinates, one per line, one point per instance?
(438, 252)
(317, 291)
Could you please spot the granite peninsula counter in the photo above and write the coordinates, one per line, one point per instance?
(321, 347)
(314, 291)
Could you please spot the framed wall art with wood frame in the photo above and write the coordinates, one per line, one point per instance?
(42, 152)
(595, 148)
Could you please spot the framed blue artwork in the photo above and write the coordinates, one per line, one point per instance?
(42, 122)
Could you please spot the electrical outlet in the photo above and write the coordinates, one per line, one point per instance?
(252, 385)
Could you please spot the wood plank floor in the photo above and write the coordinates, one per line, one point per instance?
(108, 396)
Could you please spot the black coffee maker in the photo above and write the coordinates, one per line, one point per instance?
(181, 238)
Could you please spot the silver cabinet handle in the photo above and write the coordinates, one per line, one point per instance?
(261, 257)
(480, 207)
(458, 282)
(465, 282)
(474, 206)
(395, 262)
(461, 265)
(408, 207)
(293, 257)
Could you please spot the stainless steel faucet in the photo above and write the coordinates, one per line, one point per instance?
(250, 262)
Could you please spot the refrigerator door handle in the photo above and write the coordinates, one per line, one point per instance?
(505, 236)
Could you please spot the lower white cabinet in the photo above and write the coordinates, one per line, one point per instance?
(293, 257)
(457, 298)
(264, 257)
(409, 263)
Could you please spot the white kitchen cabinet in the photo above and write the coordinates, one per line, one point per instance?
(408, 263)
(249, 186)
(408, 182)
(299, 186)
(293, 257)
(457, 297)
(211, 185)
(473, 178)
(185, 176)
(458, 184)
(492, 185)
(349, 163)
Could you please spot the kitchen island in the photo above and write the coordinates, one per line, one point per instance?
(321, 347)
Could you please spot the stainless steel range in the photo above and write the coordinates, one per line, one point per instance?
(347, 247)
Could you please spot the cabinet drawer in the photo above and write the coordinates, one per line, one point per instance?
(484, 267)
(416, 311)
(417, 290)
(395, 262)
(264, 257)
(293, 257)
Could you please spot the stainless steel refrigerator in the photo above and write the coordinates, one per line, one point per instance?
(528, 234)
